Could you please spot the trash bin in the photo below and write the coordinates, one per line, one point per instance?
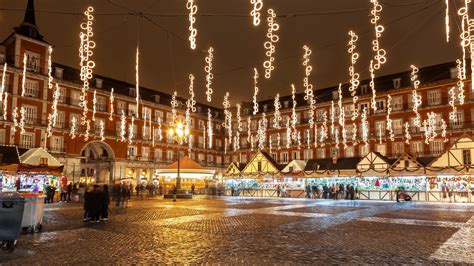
(33, 212)
(11, 214)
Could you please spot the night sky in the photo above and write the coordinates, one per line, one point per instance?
(414, 34)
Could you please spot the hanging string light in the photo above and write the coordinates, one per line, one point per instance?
(324, 129)
(15, 118)
(251, 142)
(333, 116)
(23, 78)
(190, 143)
(228, 115)
(22, 120)
(102, 129)
(276, 114)
(191, 102)
(239, 118)
(354, 76)
(294, 117)
(288, 134)
(88, 129)
(308, 138)
(452, 103)
(431, 127)
(174, 105)
(407, 133)
(444, 126)
(261, 132)
(150, 127)
(316, 136)
(380, 134)
(309, 95)
(209, 75)
(123, 126)
(85, 53)
(373, 102)
(144, 129)
(255, 81)
(389, 120)
(380, 54)
(192, 7)
(298, 138)
(466, 39)
(365, 126)
(270, 43)
(137, 82)
(5, 106)
(354, 135)
(2, 88)
(94, 104)
(131, 132)
(342, 117)
(255, 13)
(53, 116)
(50, 68)
(204, 138)
(416, 98)
(336, 137)
(160, 131)
(237, 140)
(111, 98)
(270, 146)
(460, 83)
(278, 141)
(209, 127)
(73, 131)
(248, 129)
(446, 20)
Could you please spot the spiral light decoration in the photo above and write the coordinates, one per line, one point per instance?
(407, 133)
(94, 104)
(23, 78)
(460, 83)
(324, 129)
(276, 114)
(255, 13)
(111, 99)
(255, 87)
(444, 126)
(309, 94)
(2, 88)
(160, 131)
(278, 141)
(288, 134)
(73, 131)
(416, 98)
(239, 118)
(209, 75)
(380, 54)
(294, 117)
(365, 127)
(209, 128)
(192, 7)
(22, 120)
(123, 126)
(467, 25)
(248, 128)
(373, 102)
(130, 131)
(53, 116)
(389, 126)
(270, 43)
(102, 130)
(85, 53)
(88, 129)
(137, 82)
(15, 119)
(5, 106)
(452, 103)
(174, 105)
(354, 76)
(342, 117)
(50, 68)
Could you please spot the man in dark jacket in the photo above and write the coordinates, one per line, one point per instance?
(105, 203)
(87, 202)
(96, 204)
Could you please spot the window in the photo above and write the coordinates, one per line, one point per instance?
(62, 95)
(60, 120)
(259, 166)
(349, 152)
(101, 104)
(132, 109)
(32, 88)
(398, 148)
(284, 157)
(146, 112)
(201, 157)
(348, 109)
(27, 140)
(364, 150)
(381, 148)
(57, 144)
(78, 121)
(466, 157)
(132, 92)
(335, 95)
(416, 147)
(121, 106)
(30, 114)
(380, 128)
(226, 159)
(75, 97)
(7, 79)
(32, 61)
(265, 108)
(321, 153)
(436, 146)
(98, 83)
(43, 161)
(380, 106)
(158, 154)
(210, 159)
(58, 73)
(319, 114)
(145, 152)
(413, 128)
(159, 115)
(364, 89)
(397, 125)
(219, 143)
(286, 104)
(434, 97)
(218, 160)
(334, 152)
(97, 125)
(274, 156)
(296, 155)
(363, 106)
(397, 103)
(202, 125)
(2, 137)
(397, 83)
(131, 152)
(308, 154)
(169, 155)
(459, 120)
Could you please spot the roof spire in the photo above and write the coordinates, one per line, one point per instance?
(28, 27)
(30, 14)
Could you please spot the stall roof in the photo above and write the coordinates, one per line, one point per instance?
(328, 164)
(11, 154)
(33, 157)
(185, 163)
(298, 165)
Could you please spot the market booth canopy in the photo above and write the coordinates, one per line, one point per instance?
(234, 168)
(10, 158)
(457, 157)
(38, 160)
(187, 167)
(262, 163)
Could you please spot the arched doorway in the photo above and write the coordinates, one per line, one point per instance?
(97, 162)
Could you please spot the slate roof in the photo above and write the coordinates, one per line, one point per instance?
(327, 164)
(270, 159)
(11, 154)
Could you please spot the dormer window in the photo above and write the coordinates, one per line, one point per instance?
(364, 89)
(286, 104)
(58, 73)
(132, 92)
(98, 83)
(397, 83)
(199, 109)
(335, 95)
(157, 98)
(453, 72)
(265, 108)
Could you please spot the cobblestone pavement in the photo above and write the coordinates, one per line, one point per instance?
(253, 231)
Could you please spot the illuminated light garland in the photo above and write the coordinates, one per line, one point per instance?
(192, 101)
(209, 75)
(248, 129)
(429, 127)
(380, 134)
(278, 141)
(85, 53)
(190, 143)
(130, 131)
(324, 129)
(15, 118)
(276, 114)
(255, 81)
(237, 140)
(239, 118)
(255, 13)
(466, 37)
(308, 138)
(2, 88)
(123, 127)
(342, 117)
(102, 129)
(209, 128)
(270, 144)
(174, 105)
(88, 129)
(446, 20)
(298, 137)
(150, 127)
(160, 131)
(270, 43)
(22, 120)
(53, 116)
(389, 120)
(294, 117)
(204, 138)
(144, 124)
(452, 103)
(336, 136)
(407, 133)
(316, 136)
(333, 117)
(94, 104)
(365, 127)
(444, 126)
(460, 83)
(225, 146)
(50, 68)
(261, 132)
(137, 83)
(354, 135)
(228, 115)
(23, 78)
(153, 136)
(73, 131)
(251, 142)
(111, 98)
(416, 98)
(309, 94)
(373, 102)
(192, 19)
(380, 54)
(5, 106)
(354, 76)
(288, 134)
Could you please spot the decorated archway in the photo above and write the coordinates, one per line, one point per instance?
(97, 162)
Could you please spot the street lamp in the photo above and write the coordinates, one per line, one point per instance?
(179, 133)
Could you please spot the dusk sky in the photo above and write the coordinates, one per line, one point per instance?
(414, 34)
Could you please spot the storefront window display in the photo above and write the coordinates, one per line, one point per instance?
(455, 182)
(330, 181)
(27, 183)
(410, 183)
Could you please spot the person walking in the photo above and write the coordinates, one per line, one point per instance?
(341, 190)
(87, 202)
(117, 195)
(96, 204)
(125, 193)
(104, 216)
(62, 192)
(69, 192)
(192, 188)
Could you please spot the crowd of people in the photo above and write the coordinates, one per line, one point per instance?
(336, 191)
(96, 204)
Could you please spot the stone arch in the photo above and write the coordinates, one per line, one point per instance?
(99, 149)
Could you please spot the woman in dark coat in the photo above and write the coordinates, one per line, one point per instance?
(87, 202)
(105, 203)
(96, 204)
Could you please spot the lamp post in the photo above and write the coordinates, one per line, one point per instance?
(179, 133)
